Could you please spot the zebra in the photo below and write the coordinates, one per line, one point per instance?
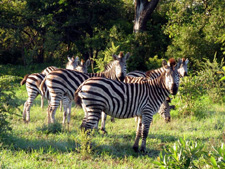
(63, 82)
(32, 89)
(126, 100)
(182, 70)
(165, 108)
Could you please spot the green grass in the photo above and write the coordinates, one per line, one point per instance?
(33, 146)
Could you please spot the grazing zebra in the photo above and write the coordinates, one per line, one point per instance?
(165, 108)
(126, 100)
(63, 82)
(32, 89)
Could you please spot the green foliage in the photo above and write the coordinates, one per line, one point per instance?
(195, 29)
(223, 78)
(51, 128)
(83, 143)
(194, 88)
(105, 57)
(7, 103)
(183, 154)
(154, 63)
(216, 159)
(191, 154)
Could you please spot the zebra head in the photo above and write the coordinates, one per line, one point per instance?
(118, 66)
(82, 67)
(172, 78)
(183, 70)
(72, 63)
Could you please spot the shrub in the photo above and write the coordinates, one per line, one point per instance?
(7, 103)
(105, 57)
(216, 159)
(191, 154)
(204, 83)
(183, 154)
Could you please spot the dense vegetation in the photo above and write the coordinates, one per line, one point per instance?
(47, 31)
(36, 34)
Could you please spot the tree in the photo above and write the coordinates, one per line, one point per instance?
(143, 11)
(196, 29)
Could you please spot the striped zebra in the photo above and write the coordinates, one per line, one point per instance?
(182, 70)
(32, 89)
(126, 100)
(63, 82)
(165, 108)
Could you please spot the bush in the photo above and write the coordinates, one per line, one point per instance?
(191, 154)
(206, 83)
(183, 154)
(216, 159)
(7, 103)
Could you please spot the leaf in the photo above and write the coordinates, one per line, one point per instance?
(223, 78)
(213, 161)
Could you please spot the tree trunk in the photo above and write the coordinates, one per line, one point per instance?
(143, 11)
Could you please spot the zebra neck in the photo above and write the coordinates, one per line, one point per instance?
(155, 73)
(159, 87)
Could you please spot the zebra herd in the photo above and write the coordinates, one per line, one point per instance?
(112, 92)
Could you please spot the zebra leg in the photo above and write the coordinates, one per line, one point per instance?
(138, 134)
(61, 105)
(85, 117)
(113, 119)
(145, 129)
(104, 116)
(42, 101)
(66, 104)
(54, 103)
(24, 111)
(27, 106)
(69, 112)
(92, 119)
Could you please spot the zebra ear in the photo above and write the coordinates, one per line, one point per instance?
(69, 59)
(178, 63)
(115, 57)
(186, 61)
(88, 62)
(127, 56)
(164, 62)
(77, 59)
(82, 62)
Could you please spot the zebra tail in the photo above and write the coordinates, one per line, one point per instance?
(77, 99)
(24, 80)
(40, 85)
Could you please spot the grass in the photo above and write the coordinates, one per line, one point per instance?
(34, 145)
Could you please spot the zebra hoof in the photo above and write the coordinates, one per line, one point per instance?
(143, 150)
(135, 148)
(104, 131)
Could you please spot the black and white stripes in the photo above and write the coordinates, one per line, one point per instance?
(126, 100)
(64, 82)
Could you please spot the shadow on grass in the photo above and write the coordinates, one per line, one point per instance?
(46, 140)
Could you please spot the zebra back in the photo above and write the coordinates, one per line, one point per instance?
(64, 81)
(49, 69)
(137, 73)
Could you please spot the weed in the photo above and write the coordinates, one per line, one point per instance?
(51, 128)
